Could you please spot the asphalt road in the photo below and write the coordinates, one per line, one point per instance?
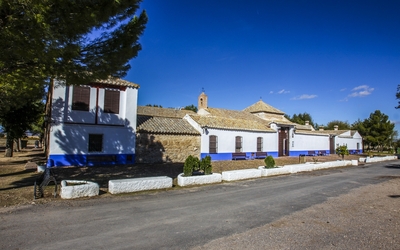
(179, 218)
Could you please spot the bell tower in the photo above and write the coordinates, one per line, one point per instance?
(202, 101)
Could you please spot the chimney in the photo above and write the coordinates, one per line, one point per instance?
(336, 127)
(307, 123)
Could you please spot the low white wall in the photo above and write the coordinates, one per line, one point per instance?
(198, 179)
(378, 159)
(78, 189)
(241, 174)
(296, 168)
(274, 171)
(139, 184)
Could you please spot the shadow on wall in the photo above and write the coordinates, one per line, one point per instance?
(148, 150)
(118, 145)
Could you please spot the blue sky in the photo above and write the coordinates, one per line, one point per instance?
(336, 60)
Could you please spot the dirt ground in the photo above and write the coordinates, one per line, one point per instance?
(16, 182)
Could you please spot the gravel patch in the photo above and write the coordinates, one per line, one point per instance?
(365, 218)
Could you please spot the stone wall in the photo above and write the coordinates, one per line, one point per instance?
(151, 148)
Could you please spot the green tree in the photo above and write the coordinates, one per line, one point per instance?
(76, 41)
(377, 131)
(191, 107)
(17, 121)
(301, 118)
(342, 151)
(398, 96)
(341, 125)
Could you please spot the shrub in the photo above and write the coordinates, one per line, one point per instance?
(205, 165)
(188, 166)
(196, 163)
(191, 164)
(342, 151)
(269, 162)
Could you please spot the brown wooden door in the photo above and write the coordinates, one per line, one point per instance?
(332, 145)
(283, 142)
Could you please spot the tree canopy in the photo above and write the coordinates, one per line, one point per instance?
(74, 41)
(77, 41)
(377, 130)
(301, 118)
(341, 125)
(191, 107)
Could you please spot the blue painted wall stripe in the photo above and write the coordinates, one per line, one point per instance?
(82, 160)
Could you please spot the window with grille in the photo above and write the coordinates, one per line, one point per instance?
(80, 98)
(238, 144)
(111, 101)
(259, 144)
(95, 143)
(213, 147)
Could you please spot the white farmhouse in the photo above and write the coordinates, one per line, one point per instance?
(100, 123)
(261, 130)
(91, 124)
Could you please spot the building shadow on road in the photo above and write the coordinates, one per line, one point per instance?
(393, 166)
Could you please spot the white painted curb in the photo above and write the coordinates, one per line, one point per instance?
(198, 179)
(379, 159)
(274, 171)
(305, 167)
(80, 189)
(139, 184)
(241, 174)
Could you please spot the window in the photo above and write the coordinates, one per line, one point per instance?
(95, 143)
(259, 144)
(111, 101)
(238, 144)
(213, 147)
(80, 98)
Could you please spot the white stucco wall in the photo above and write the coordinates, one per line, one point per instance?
(226, 140)
(353, 142)
(72, 139)
(70, 129)
(309, 142)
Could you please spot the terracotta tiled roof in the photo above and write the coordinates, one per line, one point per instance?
(329, 132)
(309, 132)
(162, 112)
(304, 127)
(337, 132)
(234, 114)
(280, 120)
(231, 119)
(231, 123)
(118, 82)
(261, 106)
(164, 125)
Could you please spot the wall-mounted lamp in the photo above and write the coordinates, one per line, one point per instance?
(205, 129)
